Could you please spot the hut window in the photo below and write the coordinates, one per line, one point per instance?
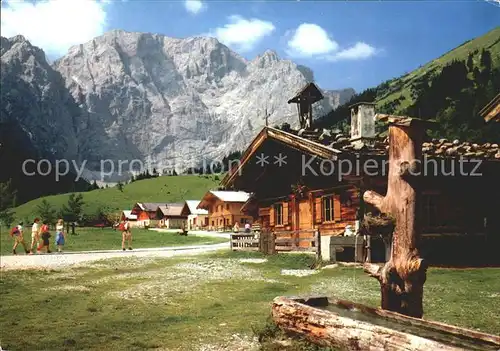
(328, 208)
(430, 210)
(227, 207)
(278, 214)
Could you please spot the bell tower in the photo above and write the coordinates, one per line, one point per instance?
(304, 99)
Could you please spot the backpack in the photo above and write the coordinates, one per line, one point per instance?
(44, 229)
(121, 226)
(14, 231)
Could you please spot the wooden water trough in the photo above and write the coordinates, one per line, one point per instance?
(349, 326)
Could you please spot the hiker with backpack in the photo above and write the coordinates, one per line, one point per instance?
(17, 234)
(45, 235)
(124, 227)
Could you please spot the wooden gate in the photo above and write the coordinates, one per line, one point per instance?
(307, 240)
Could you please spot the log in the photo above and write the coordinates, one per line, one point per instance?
(331, 330)
(403, 276)
(482, 340)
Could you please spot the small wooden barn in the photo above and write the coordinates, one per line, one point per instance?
(146, 213)
(315, 180)
(172, 216)
(224, 209)
(197, 218)
(127, 215)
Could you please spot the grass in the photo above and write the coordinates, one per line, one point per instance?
(161, 189)
(179, 304)
(108, 239)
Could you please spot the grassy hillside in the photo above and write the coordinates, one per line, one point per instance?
(400, 88)
(161, 189)
(451, 89)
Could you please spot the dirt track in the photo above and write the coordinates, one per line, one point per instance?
(54, 260)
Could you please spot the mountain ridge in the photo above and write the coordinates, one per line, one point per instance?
(199, 94)
(152, 98)
(450, 89)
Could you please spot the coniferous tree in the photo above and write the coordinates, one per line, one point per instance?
(95, 186)
(46, 212)
(470, 62)
(73, 210)
(7, 201)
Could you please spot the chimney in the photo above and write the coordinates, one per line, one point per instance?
(362, 122)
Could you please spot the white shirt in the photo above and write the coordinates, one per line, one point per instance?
(35, 228)
(20, 228)
(59, 228)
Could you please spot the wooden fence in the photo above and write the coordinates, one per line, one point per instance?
(280, 241)
(244, 242)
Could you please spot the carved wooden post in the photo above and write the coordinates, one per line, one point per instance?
(403, 276)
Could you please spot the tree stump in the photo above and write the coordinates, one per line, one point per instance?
(402, 278)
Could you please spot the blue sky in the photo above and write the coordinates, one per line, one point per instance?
(346, 44)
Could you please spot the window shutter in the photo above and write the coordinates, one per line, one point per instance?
(337, 211)
(271, 216)
(318, 210)
(285, 213)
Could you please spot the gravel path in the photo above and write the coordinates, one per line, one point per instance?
(55, 260)
(205, 233)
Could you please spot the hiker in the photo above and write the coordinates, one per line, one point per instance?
(60, 235)
(126, 234)
(17, 234)
(236, 227)
(35, 235)
(45, 238)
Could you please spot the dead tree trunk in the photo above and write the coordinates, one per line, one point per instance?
(403, 276)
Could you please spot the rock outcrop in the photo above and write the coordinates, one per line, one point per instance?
(147, 97)
(176, 101)
(35, 101)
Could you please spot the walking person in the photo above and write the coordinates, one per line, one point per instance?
(17, 234)
(35, 235)
(60, 235)
(126, 235)
(45, 245)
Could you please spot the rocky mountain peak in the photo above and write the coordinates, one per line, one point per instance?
(35, 99)
(19, 48)
(149, 97)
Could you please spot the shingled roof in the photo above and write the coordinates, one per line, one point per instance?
(172, 209)
(310, 92)
(380, 145)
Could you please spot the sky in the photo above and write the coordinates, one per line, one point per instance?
(347, 44)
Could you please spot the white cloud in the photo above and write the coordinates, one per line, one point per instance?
(312, 41)
(54, 25)
(243, 34)
(194, 6)
(359, 51)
